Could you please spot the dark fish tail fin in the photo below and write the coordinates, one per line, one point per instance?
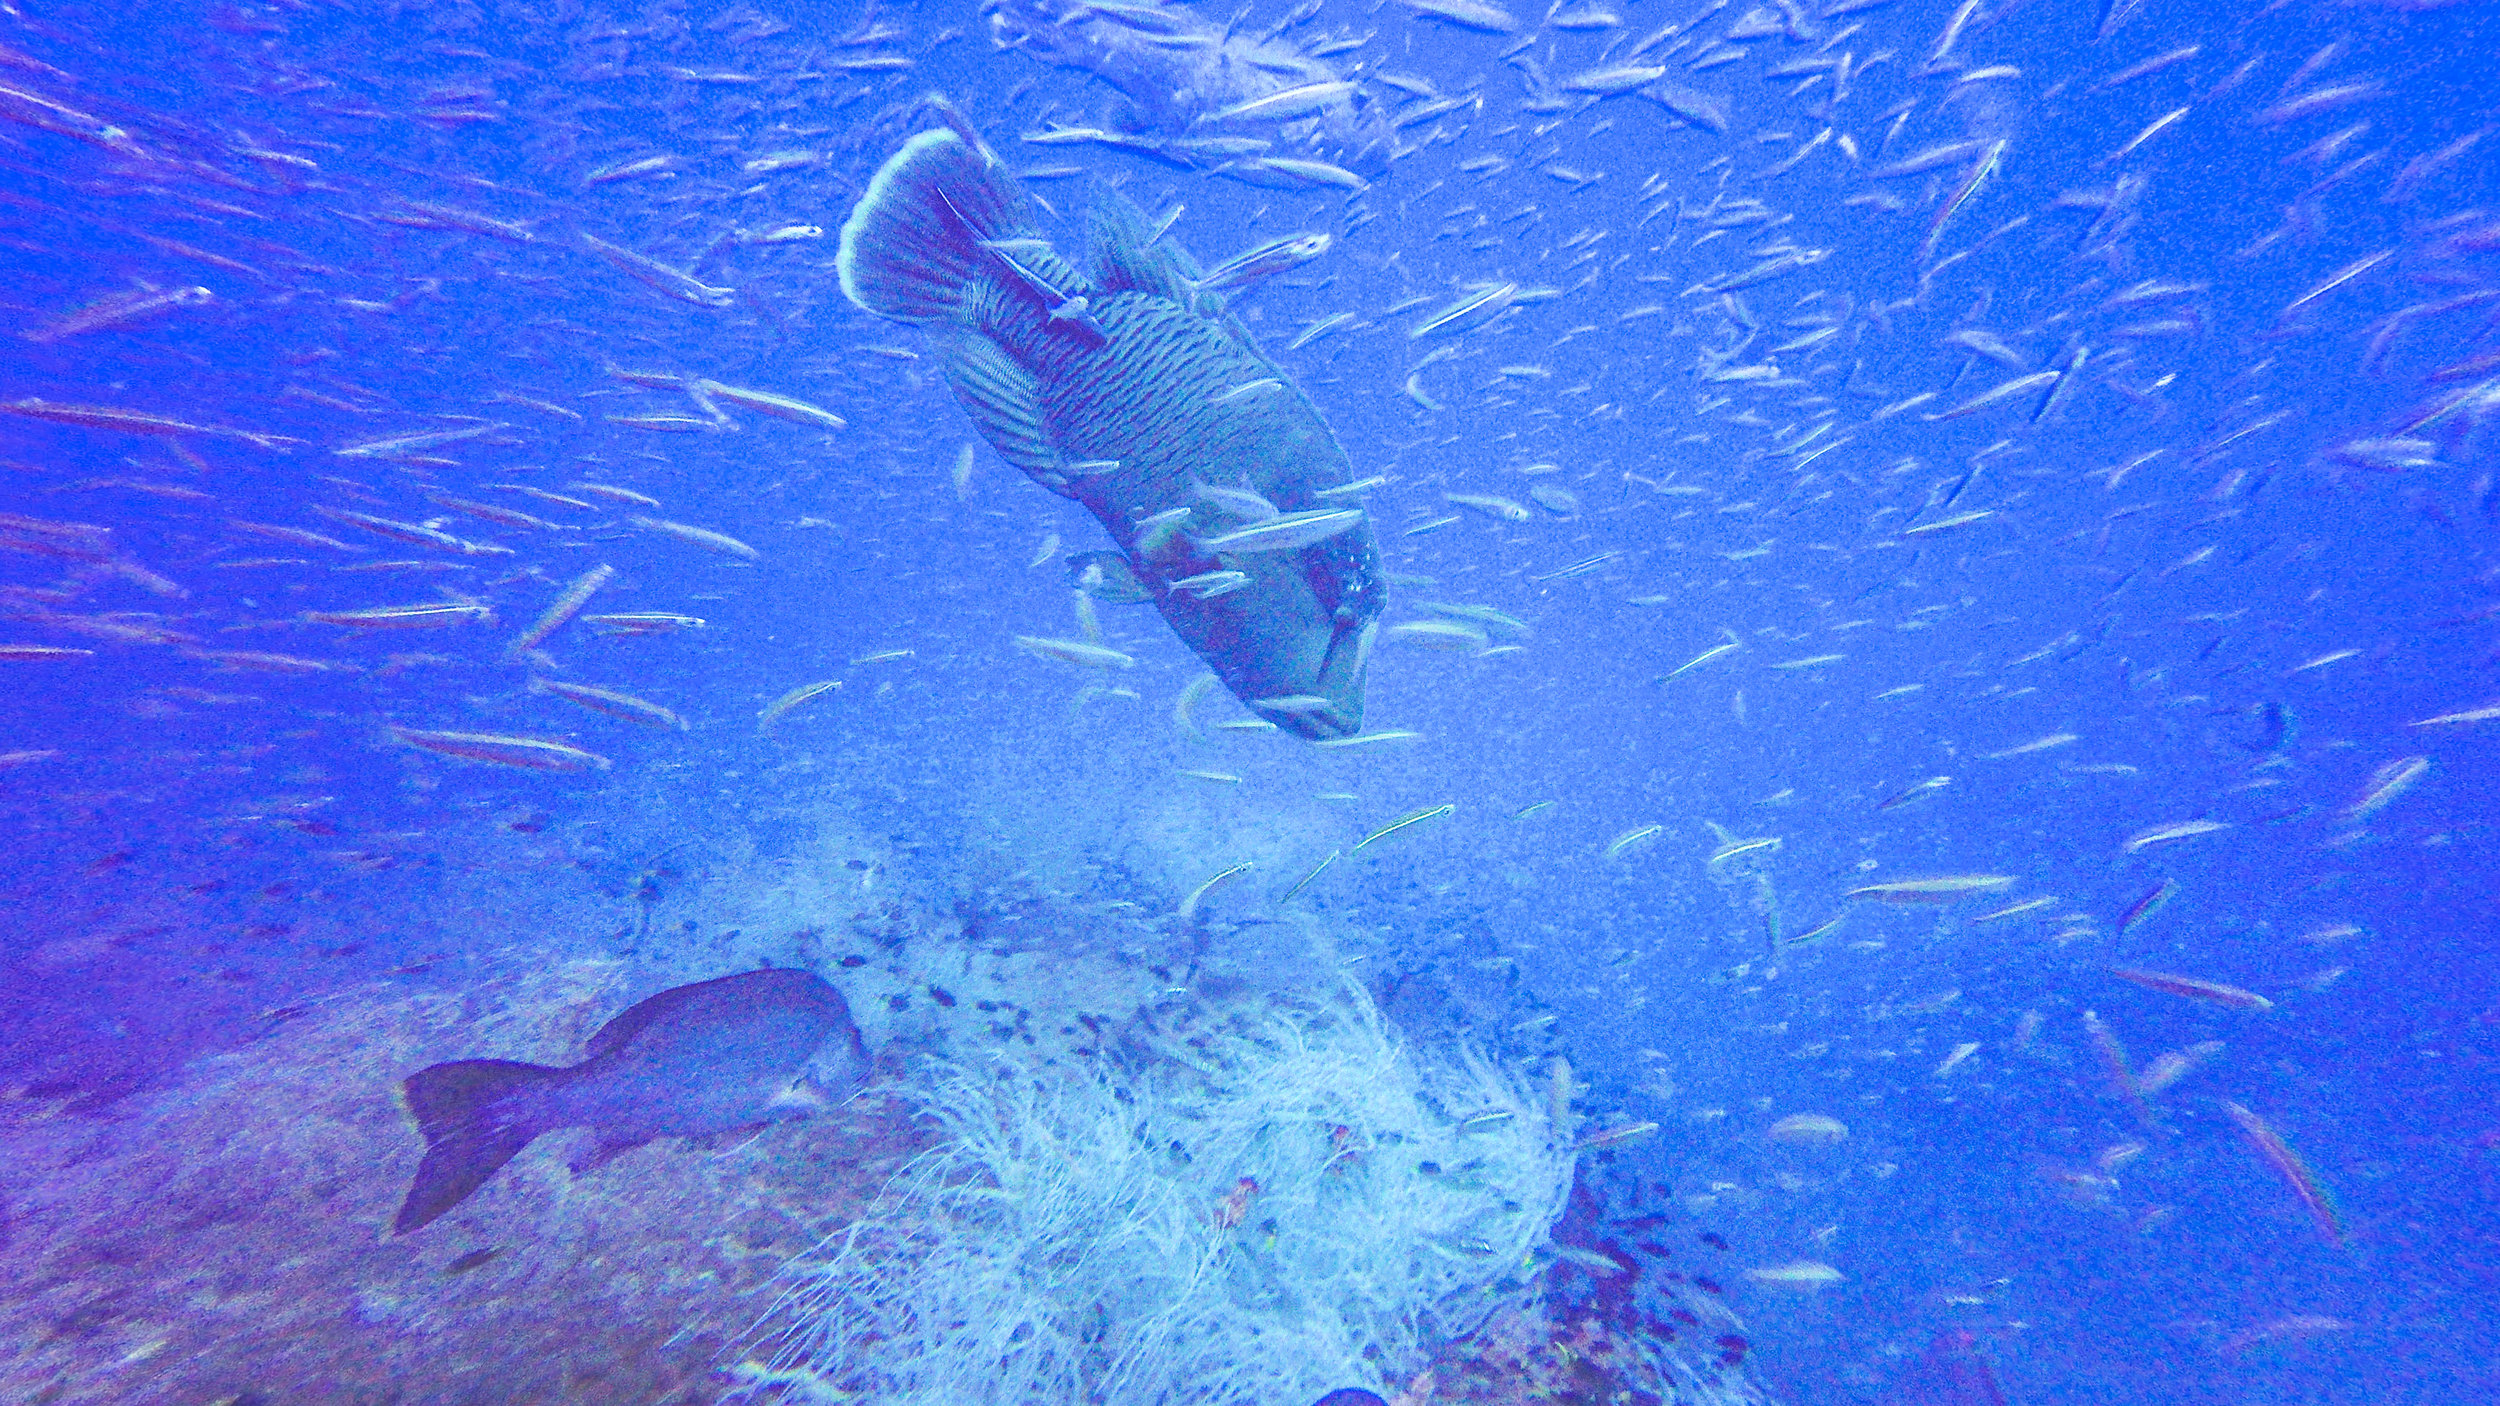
(469, 1131)
(912, 249)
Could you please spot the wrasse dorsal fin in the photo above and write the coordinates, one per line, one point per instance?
(1128, 258)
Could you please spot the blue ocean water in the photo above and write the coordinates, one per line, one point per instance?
(1937, 440)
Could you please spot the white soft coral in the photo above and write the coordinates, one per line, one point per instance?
(1267, 1202)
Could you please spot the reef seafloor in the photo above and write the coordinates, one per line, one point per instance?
(1098, 1158)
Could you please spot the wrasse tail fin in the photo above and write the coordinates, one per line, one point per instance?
(913, 248)
(467, 1139)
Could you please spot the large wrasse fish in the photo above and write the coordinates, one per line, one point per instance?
(732, 1052)
(1134, 393)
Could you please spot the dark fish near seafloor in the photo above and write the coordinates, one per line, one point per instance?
(693, 1060)
(1134, 393)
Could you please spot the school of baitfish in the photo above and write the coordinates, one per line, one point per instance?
(1830, 183)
